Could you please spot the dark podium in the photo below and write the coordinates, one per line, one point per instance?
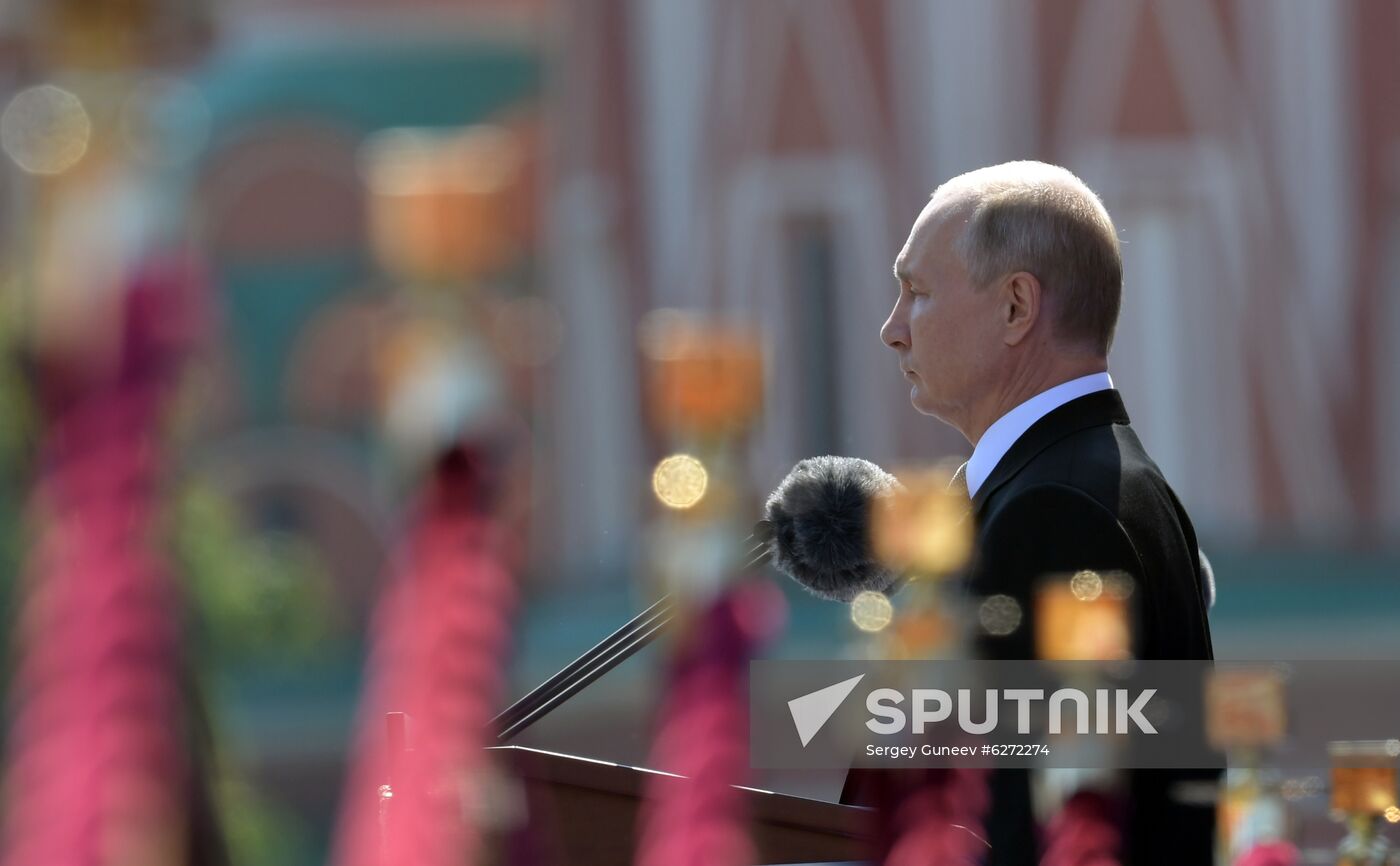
(591, 806)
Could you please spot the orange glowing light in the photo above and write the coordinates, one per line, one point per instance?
(440, 204)
(1077, 620)
(1245, 708)
(703, 377)
(922, 527)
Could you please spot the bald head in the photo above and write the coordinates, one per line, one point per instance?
(1041, 219)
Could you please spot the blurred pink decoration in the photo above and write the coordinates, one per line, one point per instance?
(97, 769)
(418, 783)
(1270, 854)
(703, 735)
(928, 816)
(1083, 833)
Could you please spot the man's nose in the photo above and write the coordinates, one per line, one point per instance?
(895, 333)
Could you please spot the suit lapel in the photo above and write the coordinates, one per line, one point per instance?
(1092, 410)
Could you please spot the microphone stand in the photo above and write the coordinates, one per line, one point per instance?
(612, 651)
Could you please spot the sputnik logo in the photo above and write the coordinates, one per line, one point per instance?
(811, 711)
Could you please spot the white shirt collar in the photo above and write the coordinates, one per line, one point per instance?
(1008, 428)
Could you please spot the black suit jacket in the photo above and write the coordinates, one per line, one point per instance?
(1077, 491)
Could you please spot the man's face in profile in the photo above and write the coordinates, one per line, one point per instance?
(941, 325)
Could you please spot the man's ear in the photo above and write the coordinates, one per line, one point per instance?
(1020, 305)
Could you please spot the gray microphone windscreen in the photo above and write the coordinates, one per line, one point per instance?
(820, 523)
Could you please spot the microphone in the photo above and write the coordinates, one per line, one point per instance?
(815, 529)
(818, 525)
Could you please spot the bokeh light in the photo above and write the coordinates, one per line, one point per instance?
(1118, 585)
(1392, 814)
(704, 377)
(45, 129)
(1363, 777)
(871, 611)
(922, 528)
(1245, 708)
(440, 201)
(679, 481)
(1302, 788)
(1086, 585)
(1076, 619)
(1364, 789)
(920, 633)
(999, 615)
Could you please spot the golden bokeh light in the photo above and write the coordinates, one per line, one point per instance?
(1363, 777)
(1392, 814)
(1301, 789)
(45, 129)
(679, 481)
(922, 528)
(1000, 615)
(1118, 586)
(1245, 708)
(1086, 585)
(920, 632)
(1077, 620)
(703, 376)
(871, 611)
(441, 202)
(1364, 789)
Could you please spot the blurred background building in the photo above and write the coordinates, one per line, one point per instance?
(767, 159)
(758, 160)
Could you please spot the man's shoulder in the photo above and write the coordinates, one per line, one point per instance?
(1096, 481)
(1047, 512)
(1100, 463)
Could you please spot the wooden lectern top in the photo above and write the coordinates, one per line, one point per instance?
(592, 807)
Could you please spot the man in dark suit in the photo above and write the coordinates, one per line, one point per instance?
(1009, 292)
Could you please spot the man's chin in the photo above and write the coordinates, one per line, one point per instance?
(919, 400)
